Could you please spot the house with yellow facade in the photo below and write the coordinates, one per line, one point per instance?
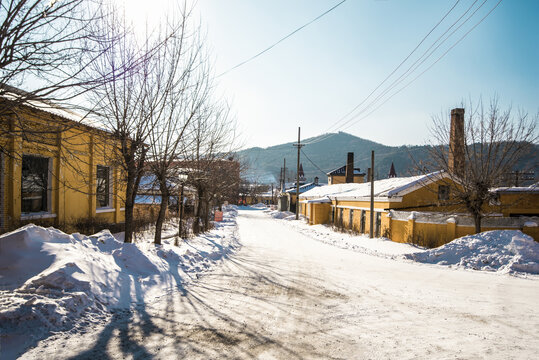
(416, 209)
(57, 168)
(346, 173)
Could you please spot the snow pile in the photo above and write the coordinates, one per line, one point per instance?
(49, 279)
(259, 206)
(285, 215)
(505, 251)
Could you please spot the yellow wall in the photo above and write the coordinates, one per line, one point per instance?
(74, 154)
(521, 203)
(422, 199)
(341, 179)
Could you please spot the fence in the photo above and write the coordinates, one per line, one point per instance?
(436, 229)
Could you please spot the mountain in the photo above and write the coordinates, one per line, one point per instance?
(326, 152)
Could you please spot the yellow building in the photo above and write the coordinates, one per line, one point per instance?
(338, 176)
(414, 209)
(56, 169)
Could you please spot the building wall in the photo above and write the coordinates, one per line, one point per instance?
(341, 179)
(519, 203)
(424, 199)
(73, 156)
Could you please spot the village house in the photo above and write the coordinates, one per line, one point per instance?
(57, 168)
(419, 209)
(346, 173)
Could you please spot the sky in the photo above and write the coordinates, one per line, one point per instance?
(317, 76)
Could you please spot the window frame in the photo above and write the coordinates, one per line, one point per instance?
(48, 201)
(443, 195)
(109, 206)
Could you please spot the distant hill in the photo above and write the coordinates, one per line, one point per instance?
(329, 151)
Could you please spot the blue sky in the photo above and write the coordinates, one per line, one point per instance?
(315, 77)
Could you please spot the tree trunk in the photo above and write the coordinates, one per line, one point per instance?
(129, 207)
(161, 217)
(206, 215)
(477, 221)
(196, 223)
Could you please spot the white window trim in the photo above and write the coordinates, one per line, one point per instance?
(104, 210)
(37, 215)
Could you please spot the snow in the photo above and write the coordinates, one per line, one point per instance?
(502, 251)
(285, 296)
(259, 206)
(505, 251)
(382, 188)
(49, 279)
(381, 247)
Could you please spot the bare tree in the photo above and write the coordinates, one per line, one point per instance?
(128, 102)
(214, 172)
(481, 153)
(182, 82)
(44, 46)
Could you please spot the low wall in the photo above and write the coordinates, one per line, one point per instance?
(436, 229)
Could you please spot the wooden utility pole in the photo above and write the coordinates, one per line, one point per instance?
(284, 174)
(371, 230)
(298, 145)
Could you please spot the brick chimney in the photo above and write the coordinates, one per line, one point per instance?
(349, 174)
(456, 157)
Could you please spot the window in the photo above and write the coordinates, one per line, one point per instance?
(34, 184)
(362, 223)
(443, 192)
(351, 219)
(378, 224)
(103, 186)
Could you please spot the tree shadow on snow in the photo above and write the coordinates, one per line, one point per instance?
(190, 323)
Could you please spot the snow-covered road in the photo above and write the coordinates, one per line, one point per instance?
(284, 295)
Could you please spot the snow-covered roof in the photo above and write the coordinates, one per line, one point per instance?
(518, 189)
(342, 171)
(54, 109)
(327, 190)
(386, 188)
(303, 188)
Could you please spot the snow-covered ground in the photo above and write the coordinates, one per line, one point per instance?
(503, 251)
(286, 296)
(50, 280)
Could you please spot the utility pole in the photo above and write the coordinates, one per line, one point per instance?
(371, 230)
(284, 174)
(299, 145)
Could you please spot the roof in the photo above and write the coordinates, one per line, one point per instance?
(386, 188)
(342, 171)
(518, 189)
(327, 190)
(303, 188)
(54, 109)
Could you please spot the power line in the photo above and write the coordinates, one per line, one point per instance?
(397, 68)
(420, 61)
(413, 67)
(423, 72)
(281, 40)
(316, 166)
